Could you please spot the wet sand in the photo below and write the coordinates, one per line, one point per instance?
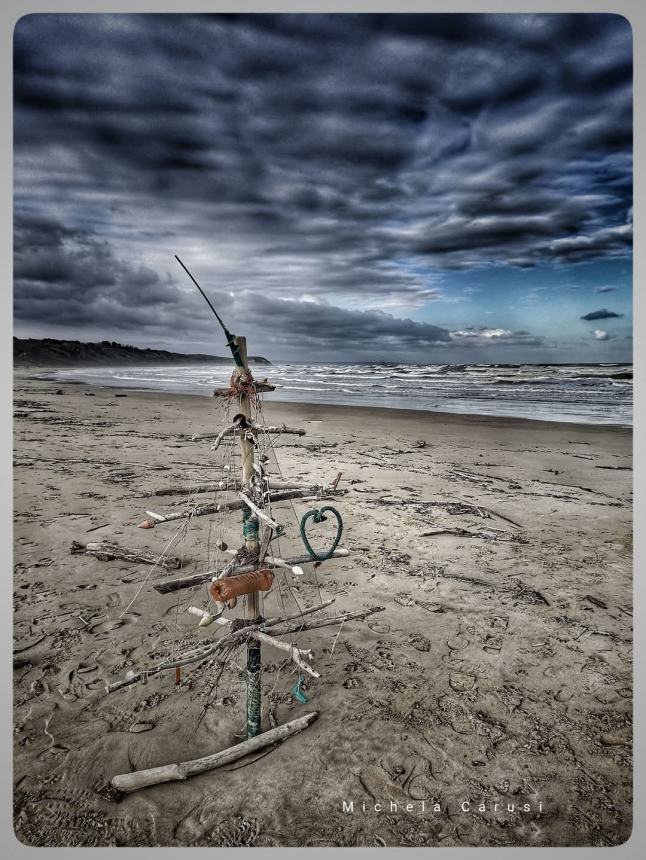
(498, 673)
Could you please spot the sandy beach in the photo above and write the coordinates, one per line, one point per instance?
(499, 672)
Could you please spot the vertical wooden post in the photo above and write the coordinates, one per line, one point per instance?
(250, 533)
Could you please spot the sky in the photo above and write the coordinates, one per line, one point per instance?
(425, 188)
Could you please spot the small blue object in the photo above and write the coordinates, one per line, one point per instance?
(298, 694)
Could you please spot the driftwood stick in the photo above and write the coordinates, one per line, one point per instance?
(279, 619)
(180, 771)
(107, 551)
(223, 486)
(502, 517)
(232, 393)
(187, 489)
(218, 437)
(257, 511)
(216, 486)
(165, 586)
(276, 561)
(215, 508)
(326, 622)
(450, 531)
(237, 430)
(483, 533)
(297, 654)
(293, 431)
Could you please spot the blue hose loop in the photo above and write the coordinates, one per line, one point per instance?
(317, 516)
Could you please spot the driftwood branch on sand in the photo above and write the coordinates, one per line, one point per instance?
(180, 771)
(244, 427)
(164, 586)
(108, 551)
(225, 486)
(204, 510)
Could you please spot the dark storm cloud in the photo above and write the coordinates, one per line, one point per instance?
(78, 280)
(329, 155)
(603, 314)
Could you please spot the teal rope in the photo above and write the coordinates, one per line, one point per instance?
(317, 516)
(298, 694)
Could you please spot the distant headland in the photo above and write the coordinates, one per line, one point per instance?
(48, 351)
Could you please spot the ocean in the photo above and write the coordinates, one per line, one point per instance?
(589, 394)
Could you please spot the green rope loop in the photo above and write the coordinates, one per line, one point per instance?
(317, 515)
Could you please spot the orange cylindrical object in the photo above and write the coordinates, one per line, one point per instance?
(230, 587)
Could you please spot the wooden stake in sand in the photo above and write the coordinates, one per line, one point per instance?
(253, 603)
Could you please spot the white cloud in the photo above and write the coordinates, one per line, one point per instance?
(601, 335)
(483, 336)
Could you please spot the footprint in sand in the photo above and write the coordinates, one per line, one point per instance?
(420, 643)
(430, 605)
(462, 682)
(563, 695)
(421, 787)
(379, 627)
(110, 625)
(143, 726)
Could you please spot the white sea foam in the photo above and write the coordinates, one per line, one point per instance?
(594, 394)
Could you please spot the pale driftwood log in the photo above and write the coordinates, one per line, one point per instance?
(215, 508)
(128, 782)
(107, 551)
(165, 586)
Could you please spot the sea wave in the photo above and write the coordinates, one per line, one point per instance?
(594, 394)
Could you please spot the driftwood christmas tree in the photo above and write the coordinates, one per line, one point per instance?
(249, 573)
